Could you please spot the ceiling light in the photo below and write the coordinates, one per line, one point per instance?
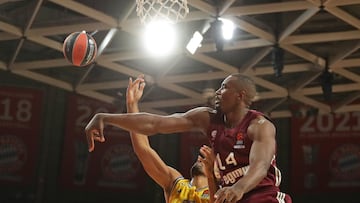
(159, 38)
(195, 42)
(227, 29)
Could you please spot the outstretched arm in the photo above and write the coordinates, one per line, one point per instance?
(195, 119)
(154, 166)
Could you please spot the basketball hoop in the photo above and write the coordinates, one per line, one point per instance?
(168, 10)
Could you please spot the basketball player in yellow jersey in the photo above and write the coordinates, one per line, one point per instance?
(176, 188)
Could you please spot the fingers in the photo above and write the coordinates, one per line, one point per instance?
(207, 152)
(99, 138)
(90, 140)
(219, 197)
(128, 90)
(142, 76)
(138, 82)
(94, 132)
(91, 145)
(231, 199)
(142, 86)
(93, 136)
(226, 194)
(207, 149)
(204, 151)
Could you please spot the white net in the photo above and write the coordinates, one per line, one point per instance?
(168, 10)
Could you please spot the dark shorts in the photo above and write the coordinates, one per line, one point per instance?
(266, 196)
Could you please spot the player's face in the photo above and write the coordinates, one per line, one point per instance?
(226, 97)
(197, 169)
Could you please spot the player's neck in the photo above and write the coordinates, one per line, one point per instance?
(232, 119)
(199, 182)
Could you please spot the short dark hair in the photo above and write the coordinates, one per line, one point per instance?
(247, 84)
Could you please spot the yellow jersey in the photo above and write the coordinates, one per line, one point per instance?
(184, 192)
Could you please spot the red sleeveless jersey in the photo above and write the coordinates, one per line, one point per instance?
(232, 149)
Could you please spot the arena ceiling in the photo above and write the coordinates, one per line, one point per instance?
(316, 35)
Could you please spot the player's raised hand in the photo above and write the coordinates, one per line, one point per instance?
(135, 90)
(208, 159)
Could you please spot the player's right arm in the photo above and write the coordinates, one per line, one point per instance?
(148, 124)
(154, 166)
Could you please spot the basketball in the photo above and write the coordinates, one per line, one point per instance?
(79, 48)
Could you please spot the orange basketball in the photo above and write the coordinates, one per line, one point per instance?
(79, 48)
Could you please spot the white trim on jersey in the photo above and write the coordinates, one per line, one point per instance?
(277, 172)
(280, 197)
(277, 176)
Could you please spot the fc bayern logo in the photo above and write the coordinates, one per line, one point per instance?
(12, 154)
(345, 162)
(120, 163)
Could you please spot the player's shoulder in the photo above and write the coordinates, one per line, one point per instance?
(261, 123)
(259, 117)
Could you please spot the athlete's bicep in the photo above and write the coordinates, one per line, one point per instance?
(263, 148)
(261, 153)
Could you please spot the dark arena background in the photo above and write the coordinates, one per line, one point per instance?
(303, 55)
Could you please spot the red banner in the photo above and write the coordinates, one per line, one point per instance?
(112, 166)
(190, 144)
(20, 115)
(326, 153)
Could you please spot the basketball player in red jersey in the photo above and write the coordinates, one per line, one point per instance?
(243, 140)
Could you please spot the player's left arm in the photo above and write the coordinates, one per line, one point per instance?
(154, 166)
(262, 132)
